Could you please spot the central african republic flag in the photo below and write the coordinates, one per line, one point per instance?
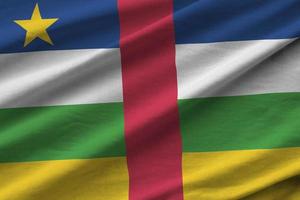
(149, 99)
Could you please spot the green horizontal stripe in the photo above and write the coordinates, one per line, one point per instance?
(61, 132)
(241, 122)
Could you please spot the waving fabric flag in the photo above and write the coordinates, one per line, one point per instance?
(149, 99)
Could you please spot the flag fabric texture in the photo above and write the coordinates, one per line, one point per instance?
(149, 99)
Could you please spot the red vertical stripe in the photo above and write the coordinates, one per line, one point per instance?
(152, 131)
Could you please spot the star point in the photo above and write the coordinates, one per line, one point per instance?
(36, 27)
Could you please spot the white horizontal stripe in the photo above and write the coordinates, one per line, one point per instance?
(60, 78)
(238, 68)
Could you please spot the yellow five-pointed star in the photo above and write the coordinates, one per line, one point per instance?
(36, 27)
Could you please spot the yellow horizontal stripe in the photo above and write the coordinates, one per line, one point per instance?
(254, 174)
(92, 179)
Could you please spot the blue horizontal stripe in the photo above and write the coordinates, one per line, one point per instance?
(82, 24)
(205, 21)
(94, 24)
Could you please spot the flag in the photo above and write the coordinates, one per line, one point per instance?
(149, 99)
